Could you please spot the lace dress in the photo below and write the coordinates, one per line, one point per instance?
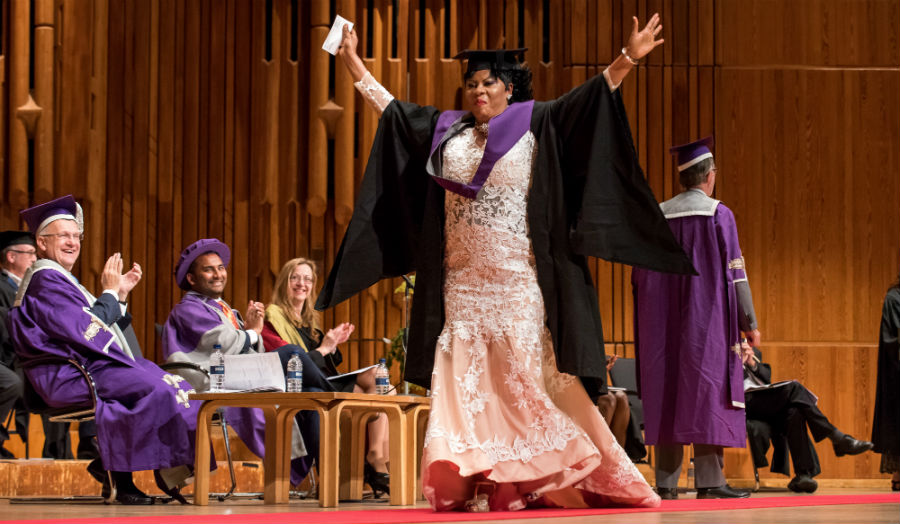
(501, 411)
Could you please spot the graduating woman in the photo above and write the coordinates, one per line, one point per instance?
(495, 208)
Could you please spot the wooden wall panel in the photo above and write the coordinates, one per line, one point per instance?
(173, 121)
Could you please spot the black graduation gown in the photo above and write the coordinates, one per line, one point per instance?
(588, 198)
(886, 423)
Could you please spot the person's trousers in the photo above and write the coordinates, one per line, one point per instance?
(708, 464)
(10, 392)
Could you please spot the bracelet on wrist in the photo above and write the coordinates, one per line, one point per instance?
(627, 57)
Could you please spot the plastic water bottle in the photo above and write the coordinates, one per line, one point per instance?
(217, 369)
(295, 373)
(382, 378)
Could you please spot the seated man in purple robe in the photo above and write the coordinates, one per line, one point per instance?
(688, 336)
(203, 320)
(143, 417)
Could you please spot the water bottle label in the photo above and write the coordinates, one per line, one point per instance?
(217, 370)
(295, 375)
(382, 381)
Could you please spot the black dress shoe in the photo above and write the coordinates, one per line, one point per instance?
(803, 484)
(134, 499)
(6, 454)
(667, 493)
(722, 492)
(848, 445)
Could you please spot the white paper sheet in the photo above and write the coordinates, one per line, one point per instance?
(358, 371)
(336, 34)
(254, 372)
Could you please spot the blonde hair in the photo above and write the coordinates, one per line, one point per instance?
(309, 317)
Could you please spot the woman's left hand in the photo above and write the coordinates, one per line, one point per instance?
(335, 336)
(642, 42)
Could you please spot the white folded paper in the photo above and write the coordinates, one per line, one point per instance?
(357, 372)
(254, 372)
(333, 40)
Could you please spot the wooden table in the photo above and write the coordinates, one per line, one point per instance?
(280, 408)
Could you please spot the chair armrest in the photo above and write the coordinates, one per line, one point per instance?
(64, 414)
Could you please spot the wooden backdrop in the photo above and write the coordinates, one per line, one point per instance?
(174, 120)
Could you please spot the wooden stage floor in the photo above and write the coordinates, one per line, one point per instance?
(837, 514)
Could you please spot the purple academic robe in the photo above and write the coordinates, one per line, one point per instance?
(686, 332)
(194, 326)
(144, 419)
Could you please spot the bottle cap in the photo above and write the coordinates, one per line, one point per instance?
(382, 360)
(217, 346)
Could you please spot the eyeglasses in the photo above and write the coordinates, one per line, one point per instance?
(66, 236)
(299, 278)
(32, 252)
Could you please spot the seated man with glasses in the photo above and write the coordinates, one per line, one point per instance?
(143, 417)
(203, 320)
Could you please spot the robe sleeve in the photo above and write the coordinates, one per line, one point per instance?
(613, 214)
(54, 318)
(383, 236)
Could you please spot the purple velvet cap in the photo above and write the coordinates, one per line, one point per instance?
(190, 253)
(42, 215)
(691, 153)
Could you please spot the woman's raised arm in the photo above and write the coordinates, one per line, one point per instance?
(640, 43)
(375, 94)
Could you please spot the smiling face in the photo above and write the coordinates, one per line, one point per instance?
(61, 242)
(486, 95)
(300, 284)
(208, 275)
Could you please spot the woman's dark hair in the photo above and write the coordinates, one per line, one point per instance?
(696, 174)
(519, 77)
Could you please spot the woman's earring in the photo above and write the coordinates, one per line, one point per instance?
(509, 99)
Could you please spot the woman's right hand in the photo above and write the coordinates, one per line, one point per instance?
(349, 42)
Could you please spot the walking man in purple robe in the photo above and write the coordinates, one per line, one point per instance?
(143, 416)
(688, 336)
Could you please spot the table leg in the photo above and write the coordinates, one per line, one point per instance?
(329, 459)
(400, 457)
(201, 453)
(273, 462)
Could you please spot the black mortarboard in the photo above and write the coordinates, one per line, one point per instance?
(15, 238)
(495, 59)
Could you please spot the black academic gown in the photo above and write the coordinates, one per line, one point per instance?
(886, 423)
(588, 198)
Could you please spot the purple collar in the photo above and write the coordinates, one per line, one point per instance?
(504, 130)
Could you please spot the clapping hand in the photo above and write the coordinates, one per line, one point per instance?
(256, 313)
(642, 42)
(335, 336)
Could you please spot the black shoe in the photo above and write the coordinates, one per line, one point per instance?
(6, 454)
(379, 482)
(174, 493)
(803, 484)
(134, 499)
(848, 445)
(667, 493)
(722, 492)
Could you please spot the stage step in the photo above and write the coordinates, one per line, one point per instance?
(62, 478)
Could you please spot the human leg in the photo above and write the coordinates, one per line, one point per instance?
(621, 416)
(10, 391)
(710, 480)
(668, 468)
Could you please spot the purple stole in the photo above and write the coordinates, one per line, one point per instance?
(504, 131)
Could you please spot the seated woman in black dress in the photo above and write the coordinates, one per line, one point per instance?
(291, 319)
